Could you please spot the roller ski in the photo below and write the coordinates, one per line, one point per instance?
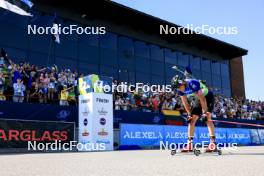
(211, 148)
(186, 149)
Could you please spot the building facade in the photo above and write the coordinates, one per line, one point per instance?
(125, 52)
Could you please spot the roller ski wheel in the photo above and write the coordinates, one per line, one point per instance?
(196, 152)
(173, 152)
(219, 152)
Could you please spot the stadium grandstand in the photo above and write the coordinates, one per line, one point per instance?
(131, 52)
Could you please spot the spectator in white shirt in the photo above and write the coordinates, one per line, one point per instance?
(118, 103)
(19, 89)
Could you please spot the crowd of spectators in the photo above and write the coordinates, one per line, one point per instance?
(24, 82)
(238, 108)
(223, 107)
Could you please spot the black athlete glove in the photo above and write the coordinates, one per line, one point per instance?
(188, 118)
(203, 117)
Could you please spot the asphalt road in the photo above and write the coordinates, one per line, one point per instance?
(245, 161)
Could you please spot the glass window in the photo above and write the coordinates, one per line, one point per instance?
(89, 54)
(227, 92)
(156, 53)
(44, 20)
(142, 64)
(183, 59)
(170, 57)
(16, 55)
(216, 81)
(126, 76)
(66, 48)
(225, 82)
(108, 40)
(206, 71)
(41, 43)
(197, 74)
(225, 61)
(71, 37)
(224, 69)
(142, 77)
(126, 62)
(195, 62)
(132, 78)
(108, 57)
(39, 59)
(3, 14)
(64, 63)
(91, 40)
(13, 36)
(158, 80)
(86, 68)
(141, 49)
(108, 71)
(169, 71)
(157, 68)
(206, 65)
(216, 67)
(125, 46)
(13, 19)
(207, 77)
(168, 80)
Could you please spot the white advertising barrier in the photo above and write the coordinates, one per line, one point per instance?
(96, 122)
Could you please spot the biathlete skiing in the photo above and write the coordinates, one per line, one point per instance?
(200, 105)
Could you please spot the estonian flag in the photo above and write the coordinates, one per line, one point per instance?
(55, 30)
(20, 7)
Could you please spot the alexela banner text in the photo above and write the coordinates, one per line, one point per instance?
(152, 135)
